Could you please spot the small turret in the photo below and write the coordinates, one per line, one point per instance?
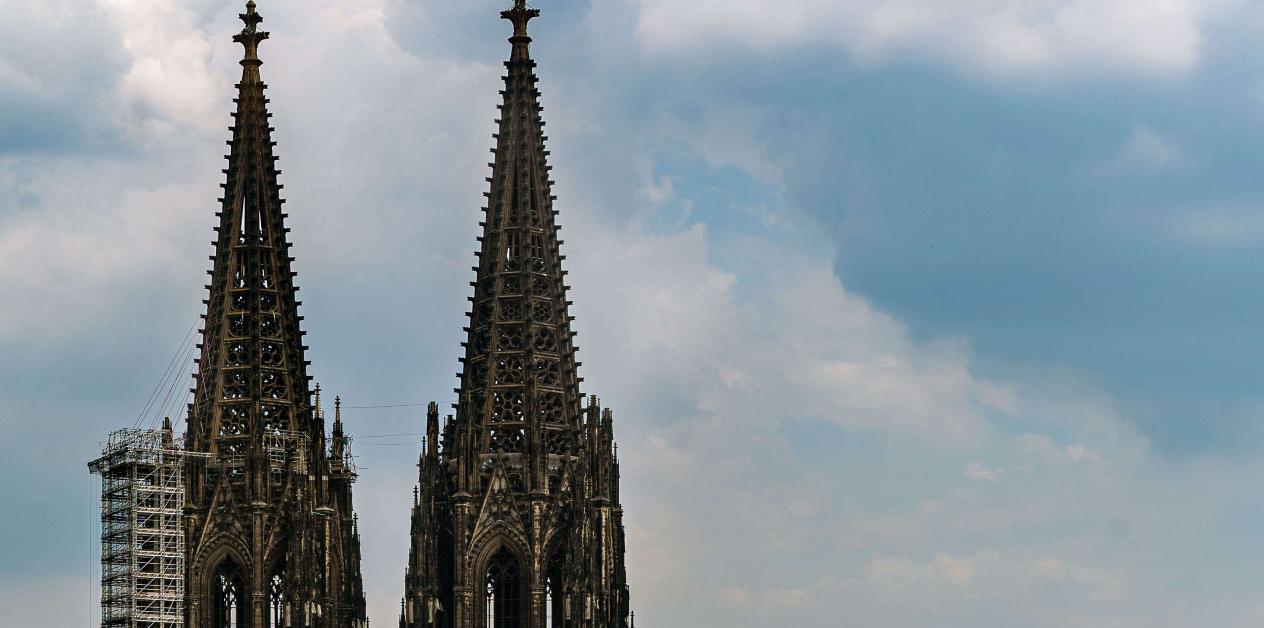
(338, 452)
(432, 429)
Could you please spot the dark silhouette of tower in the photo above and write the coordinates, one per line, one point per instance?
(517, 522)
(270, 536)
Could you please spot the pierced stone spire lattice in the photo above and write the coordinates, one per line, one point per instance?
(269, 528)
(517, 521)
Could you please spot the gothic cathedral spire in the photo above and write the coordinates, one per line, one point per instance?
(269, 529)
(517, 521)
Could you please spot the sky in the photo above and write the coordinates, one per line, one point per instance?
(912, 313)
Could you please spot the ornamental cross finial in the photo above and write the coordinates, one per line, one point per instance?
(520, 14)
(251, 35)
(251, 18)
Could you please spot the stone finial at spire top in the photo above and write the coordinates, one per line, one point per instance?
(520, 14)
(338, 417)
(251, 36)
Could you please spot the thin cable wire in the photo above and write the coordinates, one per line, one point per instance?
(181, 364)
(171, 394)
(167, 373)
(172, 386)
(180, 396)
(153, 396)
(382, 406)
(386, 405)
(179, 400)
(174, 411)
(172, 382)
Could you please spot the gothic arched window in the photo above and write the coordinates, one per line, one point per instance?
(504, 592)
(228, 600)
(555, 595)
(277, 600)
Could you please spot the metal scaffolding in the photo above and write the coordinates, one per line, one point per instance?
(142, 535)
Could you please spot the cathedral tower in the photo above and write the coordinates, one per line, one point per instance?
(271, 539)
(517, 522)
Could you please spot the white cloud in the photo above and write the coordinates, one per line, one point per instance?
(979, 471)
(958, 572)
(1102, 586)
(896, 572)
(936, 399)
(727, 137)
(735, 595)
(1146, 149)
(784, 599)
(808, 348)
(104, 224)
(93, 240)
(169, 86)
(835, 357)
(1002, 37)
(1231, 226)
(1039, 449)
(945, 581)
(1080, 453)
(660, 191)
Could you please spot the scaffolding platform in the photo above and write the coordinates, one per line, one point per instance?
(142, 532)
